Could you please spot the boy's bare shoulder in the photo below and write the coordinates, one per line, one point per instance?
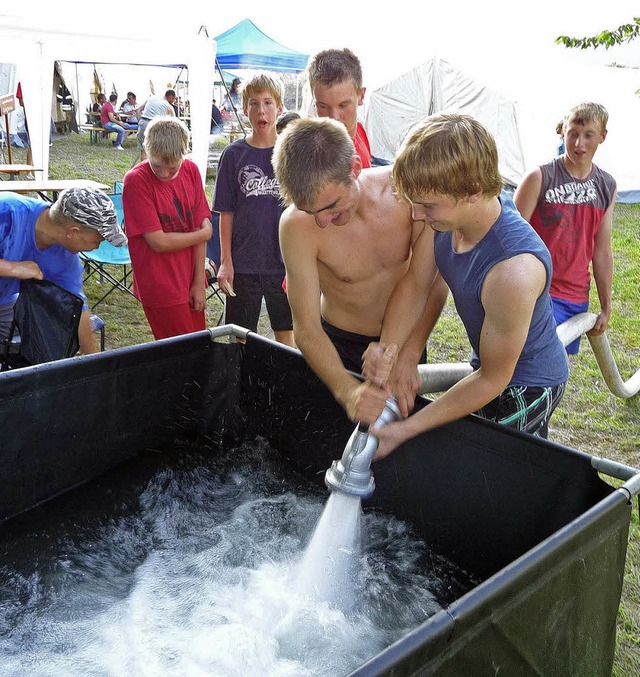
(378, 187)
(292, 216)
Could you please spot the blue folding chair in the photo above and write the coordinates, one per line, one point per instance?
(107, 255)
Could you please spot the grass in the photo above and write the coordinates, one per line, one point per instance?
(589, 418)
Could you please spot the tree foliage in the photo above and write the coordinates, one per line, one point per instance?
(618, 36)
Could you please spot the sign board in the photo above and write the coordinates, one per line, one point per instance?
(7, 104)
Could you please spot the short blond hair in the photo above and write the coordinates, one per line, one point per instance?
(447, 154)
(262, 82)
(166, 138)
(309, 154)
(585, 112)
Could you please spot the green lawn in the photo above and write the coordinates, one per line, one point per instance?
(589, 417)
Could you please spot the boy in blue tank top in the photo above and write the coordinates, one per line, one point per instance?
(499, 273)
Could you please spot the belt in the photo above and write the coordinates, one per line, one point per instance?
(144, 118)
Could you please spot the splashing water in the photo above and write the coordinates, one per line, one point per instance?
(329, 566)
(194, 571)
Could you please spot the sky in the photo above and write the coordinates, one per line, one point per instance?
(500, 43)
(389, 40)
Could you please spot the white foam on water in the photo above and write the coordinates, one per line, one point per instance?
(206, 580)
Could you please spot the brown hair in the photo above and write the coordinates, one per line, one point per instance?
(334, 66)
(309, 154)
(448, 154)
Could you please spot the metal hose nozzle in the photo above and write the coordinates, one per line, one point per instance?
(352, 473)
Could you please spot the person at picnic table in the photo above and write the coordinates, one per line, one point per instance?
(129, 109)
(111, 123)
(41, 241)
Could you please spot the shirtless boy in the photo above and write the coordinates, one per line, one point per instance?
(346, 240)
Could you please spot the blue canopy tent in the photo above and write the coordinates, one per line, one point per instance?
(246, 46)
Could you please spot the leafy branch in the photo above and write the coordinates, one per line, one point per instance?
(618, 36)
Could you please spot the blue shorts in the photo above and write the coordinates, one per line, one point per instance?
(243, 309)
(563, 310)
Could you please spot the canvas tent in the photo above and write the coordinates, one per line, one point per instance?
(436, 86)
(34, 50)
(246, 46)
(539, 91)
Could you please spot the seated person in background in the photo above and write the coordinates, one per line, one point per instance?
(102, 99)
(41, 241)
(168, 224)
(129, 109)
(217, 123)
(111, 123)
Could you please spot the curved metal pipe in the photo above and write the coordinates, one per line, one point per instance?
(352, 473)
(580, 324)
(440, 377)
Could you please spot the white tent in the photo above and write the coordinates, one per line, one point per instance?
(538, 92)
(436, 86)
(34, 51)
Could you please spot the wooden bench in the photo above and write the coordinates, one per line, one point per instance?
(97, 133)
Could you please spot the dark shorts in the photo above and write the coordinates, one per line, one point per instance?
(243, 309)
(525, 408)
(563, 310)
(351, 346)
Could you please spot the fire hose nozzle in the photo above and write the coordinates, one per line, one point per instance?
(352, 473)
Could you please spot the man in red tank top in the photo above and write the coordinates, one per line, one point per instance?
(335, 78)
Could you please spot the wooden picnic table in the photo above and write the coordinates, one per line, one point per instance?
(49, 189)
(14, 170)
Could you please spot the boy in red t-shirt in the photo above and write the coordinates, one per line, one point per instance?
(168, 223)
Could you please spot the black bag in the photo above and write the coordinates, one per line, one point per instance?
(47, 317)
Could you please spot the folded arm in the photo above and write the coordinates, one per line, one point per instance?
(161, 242)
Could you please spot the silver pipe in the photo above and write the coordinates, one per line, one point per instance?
(436, 378)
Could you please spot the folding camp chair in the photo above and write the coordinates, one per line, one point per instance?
(213, 255)
(46, 317)
(106, 255)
